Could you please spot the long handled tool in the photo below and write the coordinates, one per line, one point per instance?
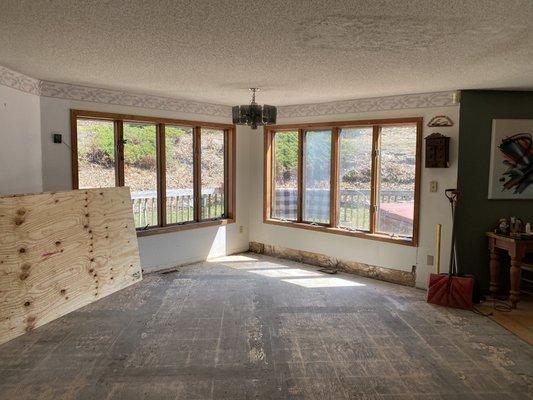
(438, 230)
(450, 289)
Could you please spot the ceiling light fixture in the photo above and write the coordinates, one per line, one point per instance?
(254, 114)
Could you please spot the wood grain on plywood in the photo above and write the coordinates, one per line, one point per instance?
(61, 251)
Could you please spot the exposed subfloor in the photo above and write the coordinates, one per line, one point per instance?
(251, 326)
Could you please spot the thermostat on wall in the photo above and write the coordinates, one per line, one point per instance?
(57, 137)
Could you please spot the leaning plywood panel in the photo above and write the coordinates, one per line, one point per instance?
(60, 251)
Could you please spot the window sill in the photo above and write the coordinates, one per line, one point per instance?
(158, 230)
(326, 229)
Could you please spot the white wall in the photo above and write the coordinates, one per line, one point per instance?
(434, 208)
(20, 148)
(158, 250)
(27, 122)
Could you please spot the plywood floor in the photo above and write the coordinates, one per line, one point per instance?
(253, 327)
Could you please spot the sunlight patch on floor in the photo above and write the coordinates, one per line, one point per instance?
(284, 272)
(322, 282)
(251, 266)
(235, 258)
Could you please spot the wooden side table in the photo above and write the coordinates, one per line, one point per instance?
(517, 249)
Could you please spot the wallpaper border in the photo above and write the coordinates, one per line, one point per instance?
(16, 80)
(59, 90)
(124, 98)
(398, 102)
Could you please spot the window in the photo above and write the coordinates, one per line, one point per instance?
(396, 180)
(212, 173)
(285, 175)
(316, 176)
(96, 153)
(179, 153)
(140, 171)
(357, 178)
(180, 173)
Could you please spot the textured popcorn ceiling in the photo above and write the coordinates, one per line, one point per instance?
(296, 51)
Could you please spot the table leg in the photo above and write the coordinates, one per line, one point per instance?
(494, 272)
(515, 280)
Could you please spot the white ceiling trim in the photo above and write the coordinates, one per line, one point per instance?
(59, 90)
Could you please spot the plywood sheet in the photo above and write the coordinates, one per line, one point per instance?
(60, 251)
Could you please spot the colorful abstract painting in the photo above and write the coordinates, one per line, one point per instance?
(511, 163)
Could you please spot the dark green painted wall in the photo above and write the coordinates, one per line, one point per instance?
(476, 214)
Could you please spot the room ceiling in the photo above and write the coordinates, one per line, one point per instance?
(296, 51)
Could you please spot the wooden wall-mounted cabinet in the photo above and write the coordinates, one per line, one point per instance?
(437, 151)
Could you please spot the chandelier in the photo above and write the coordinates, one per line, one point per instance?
(254, 114)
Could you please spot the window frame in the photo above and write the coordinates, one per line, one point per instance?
(335, 127)
(160, 123)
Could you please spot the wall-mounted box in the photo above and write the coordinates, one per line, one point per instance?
(437, 151)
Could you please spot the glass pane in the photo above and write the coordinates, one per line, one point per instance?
(355, 177)
(396, 190)
(179, 175)
(212, 174)
(317, 174)
(285, 175)
(96, 153)
(140, 171)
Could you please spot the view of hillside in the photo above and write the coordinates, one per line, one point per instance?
(96, 156)
(398, 151)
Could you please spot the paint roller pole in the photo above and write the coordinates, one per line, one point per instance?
(438, 231)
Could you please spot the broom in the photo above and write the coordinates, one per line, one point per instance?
(449, 289)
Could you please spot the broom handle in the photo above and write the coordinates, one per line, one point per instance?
(437, 246)
(452, 194)
(452, 251)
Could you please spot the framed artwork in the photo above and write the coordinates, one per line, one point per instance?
(511, 159)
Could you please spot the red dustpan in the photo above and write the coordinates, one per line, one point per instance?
(449, 289)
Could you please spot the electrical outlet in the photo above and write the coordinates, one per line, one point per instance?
(430, 260)
(433, 186)
(241, 229)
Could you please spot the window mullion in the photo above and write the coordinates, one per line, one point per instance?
(197, 184)
(74, 150)
(230, 164)
(161, 176)
(226, 171)
(374, 178)
(119, 152)
(300, 196)
(268, 179)
(334, 183)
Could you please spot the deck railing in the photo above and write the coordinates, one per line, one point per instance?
(354, 209)
(179, 206)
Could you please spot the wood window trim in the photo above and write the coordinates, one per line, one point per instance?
(335, 127)
(300, 172)
(160, 123)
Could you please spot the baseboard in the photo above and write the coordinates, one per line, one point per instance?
(405, 278)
